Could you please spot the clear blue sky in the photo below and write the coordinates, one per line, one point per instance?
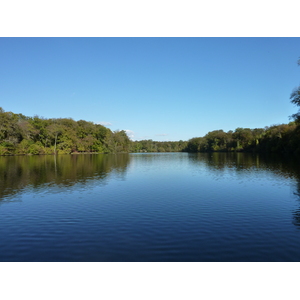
(165, 89)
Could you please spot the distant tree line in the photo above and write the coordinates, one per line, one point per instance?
(153, 146)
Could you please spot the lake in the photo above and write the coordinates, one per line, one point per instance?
(150, 207)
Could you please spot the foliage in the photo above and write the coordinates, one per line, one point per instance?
(153, 146)
(21, 135)
(295, 99)
(25, 135)
(283, 138)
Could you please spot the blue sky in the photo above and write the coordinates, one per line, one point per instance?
(164, 89)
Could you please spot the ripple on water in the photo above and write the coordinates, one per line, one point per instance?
(166, 208)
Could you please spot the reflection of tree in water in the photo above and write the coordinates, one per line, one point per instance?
(218, 161)
(286, 166)
(296, 213)
(19, 172)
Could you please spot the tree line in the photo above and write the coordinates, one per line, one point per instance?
(283, 138)
(154, 146)
(20, 134)
(35, 135)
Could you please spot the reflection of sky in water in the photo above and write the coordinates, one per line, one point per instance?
(156, 207)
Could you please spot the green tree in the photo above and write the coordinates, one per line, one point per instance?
(216, 140)
(243, 137)
(10, 133)
(295, 99)
(197, 144)
(53, 130)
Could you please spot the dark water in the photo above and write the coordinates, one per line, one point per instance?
(150, 207)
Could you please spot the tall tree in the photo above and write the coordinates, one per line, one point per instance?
(54, 130)
(295, 99)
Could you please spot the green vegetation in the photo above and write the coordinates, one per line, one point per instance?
(284, 138)
(153, 146)
(295, 99)
(21, 135)
(34, 135)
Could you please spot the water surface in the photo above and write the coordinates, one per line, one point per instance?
(150, 207)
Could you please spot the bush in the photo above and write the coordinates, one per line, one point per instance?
(36, 149)
(23, 147)
(3, 150)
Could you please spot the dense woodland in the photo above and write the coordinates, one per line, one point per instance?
(284, 138)
(20, 134)
(34, 135)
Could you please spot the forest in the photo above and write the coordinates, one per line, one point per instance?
(21, 135)
(283, 138)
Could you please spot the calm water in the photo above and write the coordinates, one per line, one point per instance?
(150, 207)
